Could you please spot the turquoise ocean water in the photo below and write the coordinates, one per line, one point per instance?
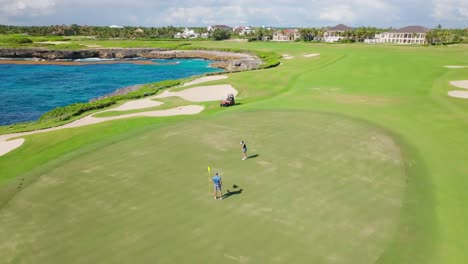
(28, 91)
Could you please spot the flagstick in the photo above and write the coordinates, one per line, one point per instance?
(209, 184)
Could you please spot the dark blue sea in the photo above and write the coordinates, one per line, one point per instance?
(28, 91)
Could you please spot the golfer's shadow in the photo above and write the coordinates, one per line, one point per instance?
(253, 156)
(231, 193)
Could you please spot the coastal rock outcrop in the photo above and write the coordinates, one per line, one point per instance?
(230, 61)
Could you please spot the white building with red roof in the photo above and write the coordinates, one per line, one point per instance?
(286, 35)
(243, 30)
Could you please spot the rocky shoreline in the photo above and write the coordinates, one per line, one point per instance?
(120, 91)
(229, 61)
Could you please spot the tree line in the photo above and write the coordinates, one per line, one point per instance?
(437, 35)
(96, 31)
(446, 36)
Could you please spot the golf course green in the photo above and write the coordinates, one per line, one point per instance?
(357, 155)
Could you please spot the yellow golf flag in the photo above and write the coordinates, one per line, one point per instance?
(209, 180)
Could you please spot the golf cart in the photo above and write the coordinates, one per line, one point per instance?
(229, 101)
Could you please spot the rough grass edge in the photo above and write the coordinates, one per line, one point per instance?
(62, 115)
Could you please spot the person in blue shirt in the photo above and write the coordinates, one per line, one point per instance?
(217, 186)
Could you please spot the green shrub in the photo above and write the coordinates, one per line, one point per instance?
(17, 40)
(270, 59)
(49, 38)
(67, 112)
(221, 34)
(345, 40)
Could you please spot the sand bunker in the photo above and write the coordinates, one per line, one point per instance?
(53, 42)
(206, 79)
(137, 104)
(287, 57)
(182, 110)
(7, 146)
(458, 94)
(311, 55)
(460, 84)
(93, 46)
(455, 66)
(202, 93)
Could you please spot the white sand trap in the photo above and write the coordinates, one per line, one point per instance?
(460, 84)
(311, 55)
(287, 57)
(54, 42)
(206, 79)
(455, 66)
(136, 104)
(7, 146)
(202, 93)
(458, 94)
(93, 46)
(182, 110)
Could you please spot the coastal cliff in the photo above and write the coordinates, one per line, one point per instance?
(230, 61)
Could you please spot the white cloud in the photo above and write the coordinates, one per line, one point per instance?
(26, 7)
(338, 14)
(450, 10)
(279, 13)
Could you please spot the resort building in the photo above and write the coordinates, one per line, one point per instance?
(336, 33)
(187, 34)
(243, 30)
(406, 35)
(224, 27)
(286, 35)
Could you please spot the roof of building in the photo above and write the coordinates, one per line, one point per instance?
(287, 31)
(238, 28)
(410, 29)
(221, 27)
(291, 31)
(340, 27)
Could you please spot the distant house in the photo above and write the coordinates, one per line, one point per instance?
(286, 35)
(370, 40)
(336, 33)
(115, 26)
(223, 27)
(406, 35)
(139, 31)
(243, 30)
(187, 34)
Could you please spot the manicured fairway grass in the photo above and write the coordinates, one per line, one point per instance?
(362, 159)
(305, 197)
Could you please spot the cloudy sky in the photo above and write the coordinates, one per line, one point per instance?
(277, 13)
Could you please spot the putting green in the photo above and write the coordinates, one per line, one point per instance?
(320, 188)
